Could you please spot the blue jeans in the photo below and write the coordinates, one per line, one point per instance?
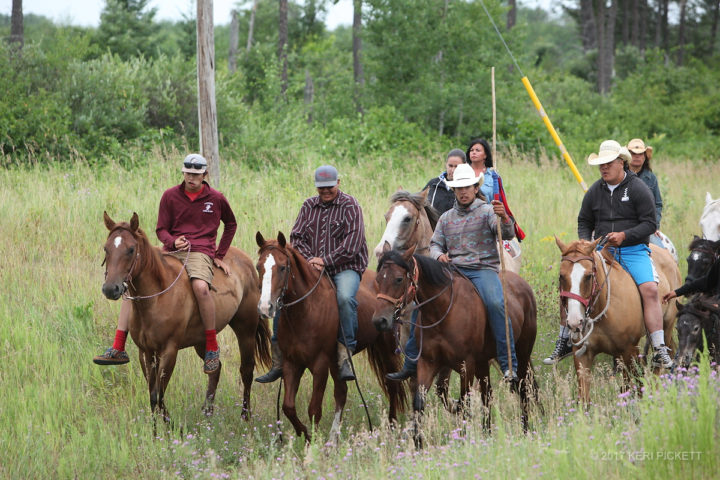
(347, 284)
(656, 240)
(411, 348)
(487, 283)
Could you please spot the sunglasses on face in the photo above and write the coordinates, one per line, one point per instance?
(195, 166)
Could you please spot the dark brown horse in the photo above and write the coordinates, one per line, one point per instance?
(699, 316)
(165, 317)
(453, 330)
(603, 306)
(308, 331)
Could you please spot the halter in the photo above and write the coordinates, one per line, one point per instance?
(408, 296)
(588, 322)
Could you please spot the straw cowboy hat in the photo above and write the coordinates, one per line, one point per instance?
(636, 145)
(464, 176)
(609, 151)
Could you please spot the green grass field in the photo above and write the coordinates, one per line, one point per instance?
(61, 416)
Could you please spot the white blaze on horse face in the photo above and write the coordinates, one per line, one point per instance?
(576, 310)
(264, 304)
(117, 241)
(392, 230)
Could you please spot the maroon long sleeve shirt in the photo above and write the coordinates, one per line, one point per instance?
(199, 220)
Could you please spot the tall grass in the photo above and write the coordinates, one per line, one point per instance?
(64, 417)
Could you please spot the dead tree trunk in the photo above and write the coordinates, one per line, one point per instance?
(681, 33)
(283, 45)
(588, 27)
(605, 19)
(234, 39)
(512, 14)
(358, 74)
(17, 31)
(251, 26)
(207, 113)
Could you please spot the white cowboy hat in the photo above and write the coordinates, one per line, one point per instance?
(464, 176)
(609, 151)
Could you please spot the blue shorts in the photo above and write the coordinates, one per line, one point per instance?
(635, 259)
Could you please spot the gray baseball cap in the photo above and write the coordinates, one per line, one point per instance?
(194, 163)
(326, 176)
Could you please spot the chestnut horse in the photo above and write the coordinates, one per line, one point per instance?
(308, 331)
(165, 316)
(603, 307)
(453, 330)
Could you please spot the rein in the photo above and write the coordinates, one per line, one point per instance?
(279, 303)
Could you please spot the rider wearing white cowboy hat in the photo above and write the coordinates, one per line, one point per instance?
(466, 237)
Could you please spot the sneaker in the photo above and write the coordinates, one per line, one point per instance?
(510, 377)
(661, 358)
(562, 350)
(212, 361)
(112, 357)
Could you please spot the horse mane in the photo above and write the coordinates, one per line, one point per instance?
(305, 271)
(435, 272)
(420, 202)
(698, 242)
(153, 261)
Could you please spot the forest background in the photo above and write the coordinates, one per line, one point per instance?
(409, 79)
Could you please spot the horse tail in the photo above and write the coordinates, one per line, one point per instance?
(262, 342)
(383, 361)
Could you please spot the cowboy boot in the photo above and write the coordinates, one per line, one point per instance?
(345, 372)
(275, 371)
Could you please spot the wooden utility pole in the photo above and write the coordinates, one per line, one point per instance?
(17, 35)
(207, 112)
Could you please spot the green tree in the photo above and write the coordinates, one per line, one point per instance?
(127, 28)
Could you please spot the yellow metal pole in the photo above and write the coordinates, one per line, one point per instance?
(553, 133)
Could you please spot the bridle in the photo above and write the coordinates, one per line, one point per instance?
(588, 322)
(279, 303)
(127, 282)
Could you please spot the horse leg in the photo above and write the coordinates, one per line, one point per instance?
(340, 394)
(631, 369)
(583, 365)
(213, 379)
(426, 371)
(166, 365)
(291, 378)
(320, 376)
(483, 375)
(246, 344)
(442, 387)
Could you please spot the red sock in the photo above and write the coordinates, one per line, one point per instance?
(211, 341)
(119, 343)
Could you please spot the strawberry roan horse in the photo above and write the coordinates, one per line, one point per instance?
(308, 331)
(161, 324)
(603, 306)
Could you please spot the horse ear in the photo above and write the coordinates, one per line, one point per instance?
(708, 198)
(386, 247)
(679, 306)
(109, 223)
(134, 222)
(281, 239)
(259, 239)
(409, 253)
(595, 244)
(560, 244)
(424, 194)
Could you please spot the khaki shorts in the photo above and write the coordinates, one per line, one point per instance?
(199, 265)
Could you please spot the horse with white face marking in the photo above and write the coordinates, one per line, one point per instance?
(710, 218)
(410, 223)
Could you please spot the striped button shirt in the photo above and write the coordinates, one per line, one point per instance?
(332, 231)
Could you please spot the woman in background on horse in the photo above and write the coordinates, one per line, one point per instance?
(479, 156)
(640, 164)
(440, 195)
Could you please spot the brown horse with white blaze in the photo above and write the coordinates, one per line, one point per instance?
(164, 315)
(307, 331)
(603, 306)
(453, 331)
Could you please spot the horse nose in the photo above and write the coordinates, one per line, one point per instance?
(112, 291)
(381, 323)
(266, 310)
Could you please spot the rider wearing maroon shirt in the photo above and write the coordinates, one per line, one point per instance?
(188, 220)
